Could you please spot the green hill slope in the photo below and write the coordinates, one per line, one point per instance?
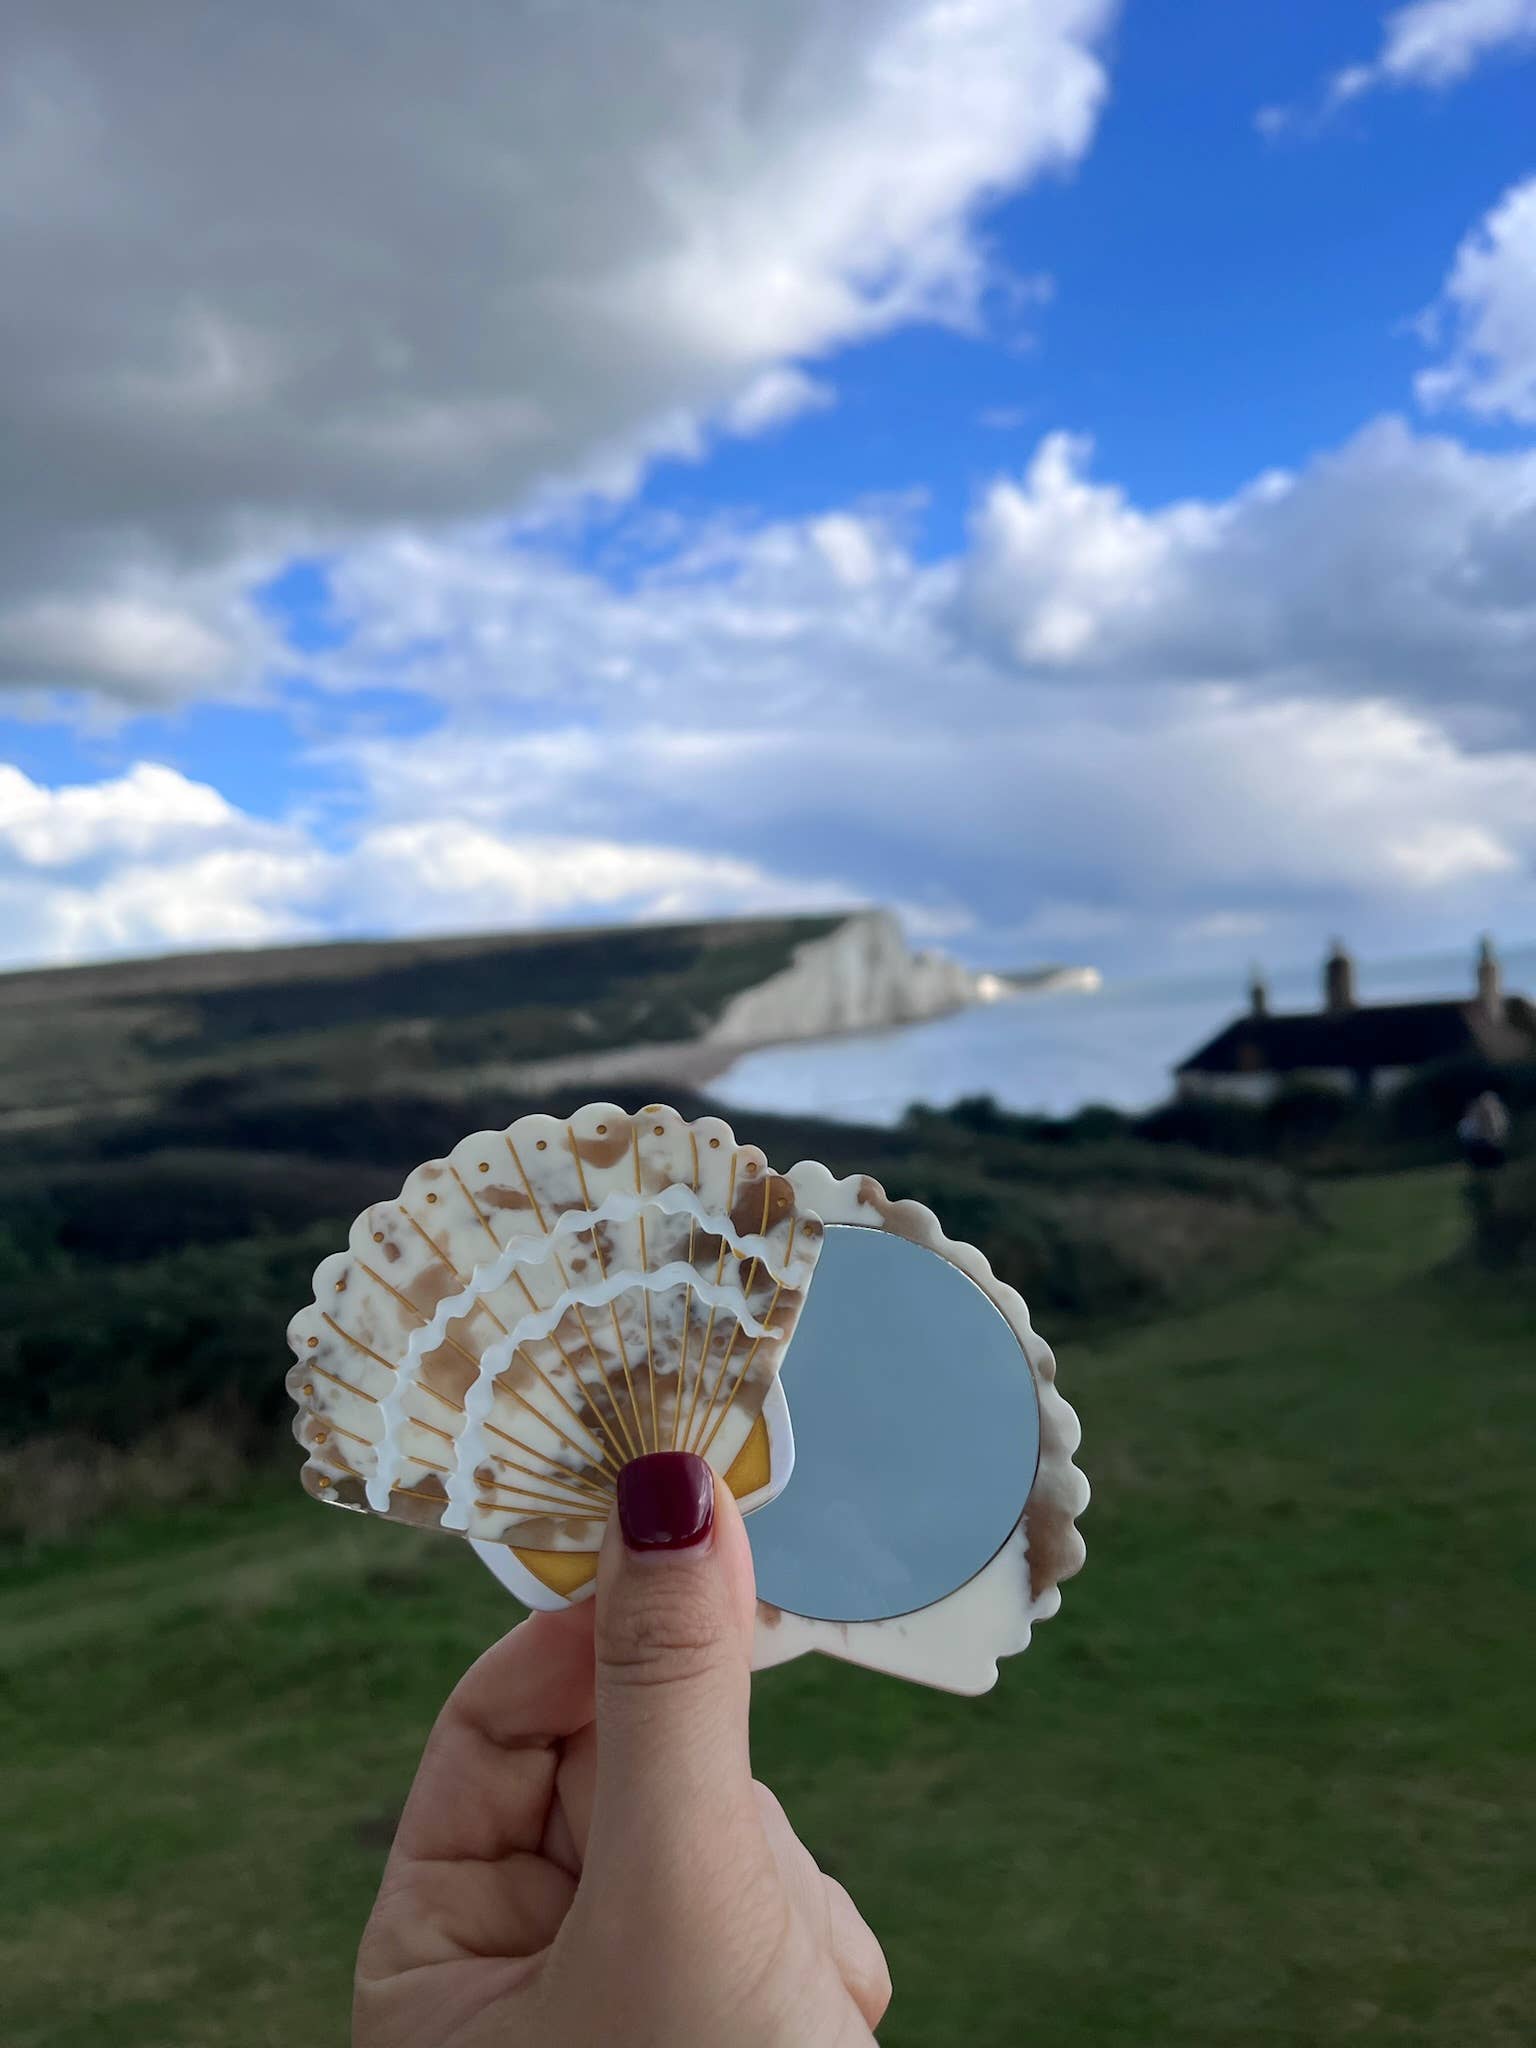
(379, 1013)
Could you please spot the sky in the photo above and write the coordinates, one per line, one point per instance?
(1065, 470)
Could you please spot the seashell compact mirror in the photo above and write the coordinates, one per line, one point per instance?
(552, 1300)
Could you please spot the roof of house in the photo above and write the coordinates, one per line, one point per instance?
(1362, 1039)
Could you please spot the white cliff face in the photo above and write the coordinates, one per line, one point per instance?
(861, 977)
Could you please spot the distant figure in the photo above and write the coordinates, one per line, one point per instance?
(1484, 1133)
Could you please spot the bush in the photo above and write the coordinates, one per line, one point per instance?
(113, 1352)
(157, 1283)
(1101, 1232)
(124, 1211)
(54, 1487)
(1304, 1115)
(1431, 1102)
(1503, 1205)
(1097, 1122)
(1236, 1130)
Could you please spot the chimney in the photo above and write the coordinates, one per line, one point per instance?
(1339, 981)
(1258, 993)
(1490, 982)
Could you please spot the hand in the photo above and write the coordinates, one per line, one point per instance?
(585, 1856)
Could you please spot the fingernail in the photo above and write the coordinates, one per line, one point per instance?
(666, 1501)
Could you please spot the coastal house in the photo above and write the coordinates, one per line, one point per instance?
(1356, 1047)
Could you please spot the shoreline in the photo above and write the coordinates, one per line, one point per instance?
(696, 1062)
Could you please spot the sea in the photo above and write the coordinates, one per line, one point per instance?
(1054, 1052)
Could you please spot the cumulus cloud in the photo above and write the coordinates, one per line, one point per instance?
(1138, 729)
(1399, 565)
(1060, 565)
(1145, 725)
(437, 874)
(141, 863)
(1439, 42)
(1431, 44)
(1151, 724)
(366, 267)
(1489, 307)
(1135, 818)
(152, 861)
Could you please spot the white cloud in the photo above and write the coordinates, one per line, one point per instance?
(851, 546)
(1489, 303)
(56, 828)
(151, 861)
(1398, 565)
(1439, 42)
(774, 397)
(1431, 44)
(521, 245)
(1106, 718)
(1059, 563)
(759, 729)
(141, 863)
(1137, 814)
(1304, 706)
(780, 617)
(441, 874)
(1438, 852)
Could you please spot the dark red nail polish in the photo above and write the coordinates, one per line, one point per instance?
(666, 1501)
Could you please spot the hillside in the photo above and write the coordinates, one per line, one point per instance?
(1269, 1777)
(382, 1014)
(125, 1036)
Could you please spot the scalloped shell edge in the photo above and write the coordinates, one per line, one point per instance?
(956, 1643)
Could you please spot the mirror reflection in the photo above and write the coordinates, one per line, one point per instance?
(916, 1435)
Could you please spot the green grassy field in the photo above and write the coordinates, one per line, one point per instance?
(1269, 1778)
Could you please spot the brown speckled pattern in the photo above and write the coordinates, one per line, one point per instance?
(651, 1369)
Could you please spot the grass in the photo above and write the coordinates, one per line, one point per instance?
(1269, 1778)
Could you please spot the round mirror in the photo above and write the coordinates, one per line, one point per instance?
(917, 1434)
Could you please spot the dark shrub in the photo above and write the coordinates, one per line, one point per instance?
(1096, 1123)
(1430, 1103)
(1302, 1115)
(1232, 1128)
(1503, 1207)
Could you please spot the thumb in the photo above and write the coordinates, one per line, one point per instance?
(675, 1606)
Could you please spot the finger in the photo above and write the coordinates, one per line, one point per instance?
(570, 1815)
(858, 1955)
(797, 1866)
(486, 1777)
(830, 1912)
(444, 1912)
(675, 1607)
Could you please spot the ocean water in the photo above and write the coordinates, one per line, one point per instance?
(1053, 1053)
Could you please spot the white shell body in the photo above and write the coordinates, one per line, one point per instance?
(544, 1304)
(955, 1644)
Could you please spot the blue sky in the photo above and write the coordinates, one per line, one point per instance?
(1067, 470)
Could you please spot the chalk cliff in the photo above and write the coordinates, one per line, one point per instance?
(860, 977)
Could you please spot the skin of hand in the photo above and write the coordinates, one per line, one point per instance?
(585, 1856)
